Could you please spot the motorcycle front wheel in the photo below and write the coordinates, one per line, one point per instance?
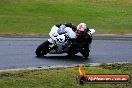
(42, 49)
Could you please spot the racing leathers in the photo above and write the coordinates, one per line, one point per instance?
(85, 42)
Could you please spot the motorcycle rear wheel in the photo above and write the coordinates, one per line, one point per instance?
(85, 53)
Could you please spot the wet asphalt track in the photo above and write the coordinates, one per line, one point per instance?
(20, 53)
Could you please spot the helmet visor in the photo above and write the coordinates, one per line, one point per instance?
(79, 33)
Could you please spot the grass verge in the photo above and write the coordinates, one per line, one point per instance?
(38, 16)
(61, 77)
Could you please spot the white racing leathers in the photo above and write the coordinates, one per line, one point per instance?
(55, 31)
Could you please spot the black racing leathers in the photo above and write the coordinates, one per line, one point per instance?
(84, 43)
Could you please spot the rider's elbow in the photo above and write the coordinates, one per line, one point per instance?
(92, 31)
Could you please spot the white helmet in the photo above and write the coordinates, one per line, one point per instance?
(81, 29)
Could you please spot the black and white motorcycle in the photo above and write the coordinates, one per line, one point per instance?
(62, 45)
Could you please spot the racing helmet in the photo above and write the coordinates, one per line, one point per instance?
(81, 29)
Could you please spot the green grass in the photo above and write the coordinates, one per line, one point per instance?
(38, 16)
(61, 77)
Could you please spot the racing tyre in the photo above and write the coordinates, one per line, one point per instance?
(85, 53)
(43, 49)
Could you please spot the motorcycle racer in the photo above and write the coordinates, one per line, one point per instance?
(67, 38)
(84, 37)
